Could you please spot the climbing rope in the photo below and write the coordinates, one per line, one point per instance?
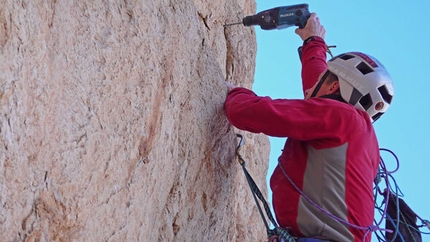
(368, 229)
(278, 233)
(392, 193)
(391, 190)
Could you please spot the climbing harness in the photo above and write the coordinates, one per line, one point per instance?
(400, 219)
(277, 234)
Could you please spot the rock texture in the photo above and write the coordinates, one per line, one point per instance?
(112, 125)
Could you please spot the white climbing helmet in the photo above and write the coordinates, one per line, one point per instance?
(363, 82)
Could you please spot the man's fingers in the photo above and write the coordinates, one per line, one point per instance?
(312, 28)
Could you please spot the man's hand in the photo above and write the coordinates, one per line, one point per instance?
(313, 28)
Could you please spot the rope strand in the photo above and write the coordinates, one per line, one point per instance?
(391, 188)
(256, 193)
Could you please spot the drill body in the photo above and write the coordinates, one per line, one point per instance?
(280, 17)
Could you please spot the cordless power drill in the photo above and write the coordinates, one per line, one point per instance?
(278, 18)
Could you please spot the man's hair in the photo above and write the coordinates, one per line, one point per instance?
(331, 78)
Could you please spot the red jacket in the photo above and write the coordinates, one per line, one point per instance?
(331, 154)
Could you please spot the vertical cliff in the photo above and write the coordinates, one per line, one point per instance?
(112, 125)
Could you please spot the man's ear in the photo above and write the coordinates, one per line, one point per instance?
(333, 87)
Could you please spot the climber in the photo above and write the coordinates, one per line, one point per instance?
(322, 186)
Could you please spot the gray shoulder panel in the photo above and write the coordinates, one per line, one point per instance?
(324, 184)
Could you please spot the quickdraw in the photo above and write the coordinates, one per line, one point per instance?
(277, 234)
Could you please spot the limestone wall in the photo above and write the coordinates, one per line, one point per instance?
(112, 125)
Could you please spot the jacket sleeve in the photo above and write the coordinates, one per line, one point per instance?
(313, 61)
(320, 119)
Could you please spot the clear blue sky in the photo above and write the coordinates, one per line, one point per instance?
(397, 34)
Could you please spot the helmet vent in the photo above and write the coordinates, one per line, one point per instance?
(384, 93)
(346, 57)
(355, 96)
(366, 101)
(364, 68)
(377, 116)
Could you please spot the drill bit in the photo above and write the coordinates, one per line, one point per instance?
(230, 24)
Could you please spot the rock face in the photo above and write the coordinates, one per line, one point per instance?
(112, 125)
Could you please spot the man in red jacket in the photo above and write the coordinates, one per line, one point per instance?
(322, 186)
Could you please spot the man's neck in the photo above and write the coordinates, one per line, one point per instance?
(337, 97)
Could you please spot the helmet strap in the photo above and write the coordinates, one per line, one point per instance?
(322, 80)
